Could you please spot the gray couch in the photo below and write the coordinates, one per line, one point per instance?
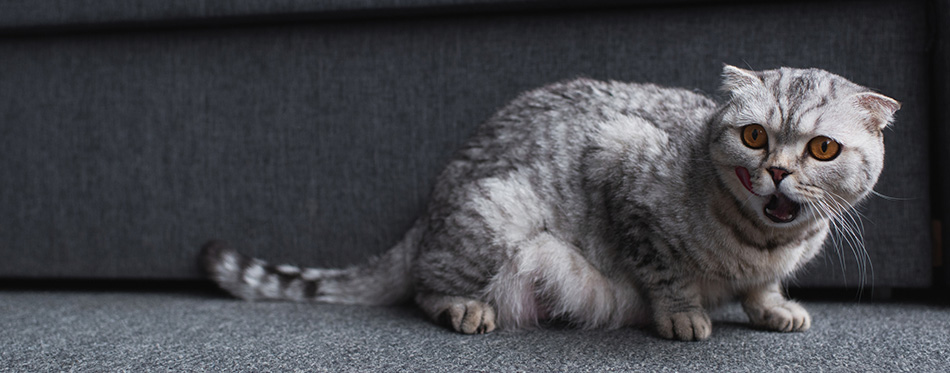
(310, 132)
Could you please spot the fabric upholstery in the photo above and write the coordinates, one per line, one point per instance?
(122, 150)
(941, 134)
(97, 14)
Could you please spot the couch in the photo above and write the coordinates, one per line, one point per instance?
(310, 132)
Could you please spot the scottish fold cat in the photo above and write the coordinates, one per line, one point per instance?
(608, 204)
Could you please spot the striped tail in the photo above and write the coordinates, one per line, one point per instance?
(381, 280)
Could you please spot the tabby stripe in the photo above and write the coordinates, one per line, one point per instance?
(865, 165)
(771, 114)
(736, 231)
(310, 288)
(731, 222)
(457, 280)
(790, 129)
(244, 264)
(833, 88)
(284, 279)
(682, 305)
(796, 93)
(644, 260)
(776, 92)
(771, 243)
(661, 284)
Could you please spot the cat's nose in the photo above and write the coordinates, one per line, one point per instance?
(778, 174)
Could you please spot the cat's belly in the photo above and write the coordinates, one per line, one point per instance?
(548, 279)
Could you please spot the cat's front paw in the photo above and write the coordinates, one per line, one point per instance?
(785, 317)
(685, 326)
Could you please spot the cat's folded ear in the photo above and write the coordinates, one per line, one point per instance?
(879, 108)
(735, 80)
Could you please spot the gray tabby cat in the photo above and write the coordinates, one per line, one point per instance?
(607, 204)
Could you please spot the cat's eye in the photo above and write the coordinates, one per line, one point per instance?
(824, 148)
(754, 136)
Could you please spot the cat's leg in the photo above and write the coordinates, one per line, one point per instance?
(678, 312)
(474, 232)
(769, 309)
(456, 262)
(674, 296)
(462, 314)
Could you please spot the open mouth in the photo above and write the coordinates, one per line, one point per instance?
(780, 209)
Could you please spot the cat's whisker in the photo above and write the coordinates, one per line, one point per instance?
(849, 219)
(843, 228)
(853, 215)
(836, 237)
(840, 230)
(889, 198)
(851, 207)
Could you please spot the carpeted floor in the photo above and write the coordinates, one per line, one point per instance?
(45, 330)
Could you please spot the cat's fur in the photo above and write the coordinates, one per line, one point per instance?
(607, 204)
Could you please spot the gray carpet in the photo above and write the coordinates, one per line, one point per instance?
(182, 331)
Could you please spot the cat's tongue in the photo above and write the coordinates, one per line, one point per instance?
(745, 178)
(781, 209)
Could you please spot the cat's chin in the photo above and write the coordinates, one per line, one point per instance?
(780, 209)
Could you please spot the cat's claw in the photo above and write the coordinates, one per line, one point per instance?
(470, 317)
(684, 326)
(786, 317)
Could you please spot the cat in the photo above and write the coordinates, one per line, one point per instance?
(609, 204)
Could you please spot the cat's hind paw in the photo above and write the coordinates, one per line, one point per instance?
(469, 317)
(464, 315)
(786, 317)
(684, 326)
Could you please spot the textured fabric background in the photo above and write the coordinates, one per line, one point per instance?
(317, 142)
(34, 14)
(941, 130)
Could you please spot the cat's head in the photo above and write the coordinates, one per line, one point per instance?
(798, 145)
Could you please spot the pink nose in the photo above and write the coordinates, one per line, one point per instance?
(778, 174)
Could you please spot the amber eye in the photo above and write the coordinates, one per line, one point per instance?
(754, 136)
(824, 148)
